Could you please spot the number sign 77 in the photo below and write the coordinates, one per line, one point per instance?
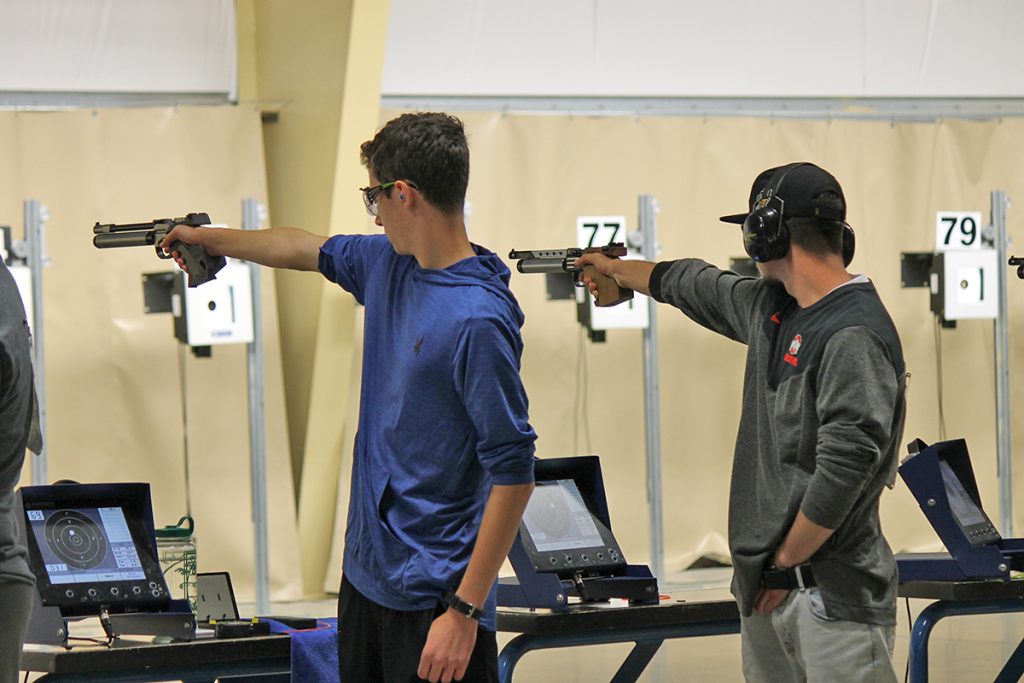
(597, 231)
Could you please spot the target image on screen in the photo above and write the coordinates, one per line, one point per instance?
(85, 545)
(558, 519)
(972, 519)
(562, 535)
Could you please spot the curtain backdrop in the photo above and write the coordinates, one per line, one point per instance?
(533, 175)
(114, 396)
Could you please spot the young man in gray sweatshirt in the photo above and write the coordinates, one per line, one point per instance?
(822, 420)
(19, 429)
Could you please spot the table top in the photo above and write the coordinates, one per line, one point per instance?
(616, 614)
(982, 589)
(85, 658)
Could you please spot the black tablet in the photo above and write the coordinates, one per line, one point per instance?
(563, 535)
(967, 511)
(92, 546)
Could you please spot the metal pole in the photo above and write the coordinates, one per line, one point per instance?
(33, 213)
(652, 401)
(257, 437)
(1002, 349)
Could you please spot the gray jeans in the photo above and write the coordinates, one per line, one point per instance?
(797, 642)
(15, 609)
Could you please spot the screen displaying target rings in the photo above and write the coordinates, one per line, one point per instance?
(86, 545)
(92, 548)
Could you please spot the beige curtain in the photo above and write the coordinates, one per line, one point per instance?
(533, 174)
(112, 372)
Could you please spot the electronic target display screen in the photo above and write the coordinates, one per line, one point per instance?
(972, 519)
(85, 545)
(92, 547)
(558, 519)
(561, 534)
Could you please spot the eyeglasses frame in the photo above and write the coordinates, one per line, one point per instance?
(370, 194)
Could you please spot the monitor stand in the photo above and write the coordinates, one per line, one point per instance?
(975, 549)
(47, 626)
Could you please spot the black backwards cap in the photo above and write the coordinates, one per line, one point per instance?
(801, 188)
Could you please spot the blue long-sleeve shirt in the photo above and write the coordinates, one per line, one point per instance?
(443, 416)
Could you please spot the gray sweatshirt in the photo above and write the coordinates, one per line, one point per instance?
(17, 397)
(821, 424)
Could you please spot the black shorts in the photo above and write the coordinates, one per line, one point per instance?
(380, 644)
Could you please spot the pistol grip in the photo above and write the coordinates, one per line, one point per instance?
(608, 291)
(201, 266)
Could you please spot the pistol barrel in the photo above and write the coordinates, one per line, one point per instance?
(541, 265)
(111, 240)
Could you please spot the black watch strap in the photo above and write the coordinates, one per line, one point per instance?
(467, 609)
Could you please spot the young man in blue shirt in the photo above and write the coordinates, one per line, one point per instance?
(443, 462)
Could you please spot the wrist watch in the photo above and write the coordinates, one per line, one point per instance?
(467, 609)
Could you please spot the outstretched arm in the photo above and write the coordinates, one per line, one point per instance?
(631, 274)
(452, 635)
(274, 247)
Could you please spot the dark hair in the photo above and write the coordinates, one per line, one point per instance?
(429, 149)
(819, 236)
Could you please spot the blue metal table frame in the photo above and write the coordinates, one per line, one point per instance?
(956, 598)
(647, 626)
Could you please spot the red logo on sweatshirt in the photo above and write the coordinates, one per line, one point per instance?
(794, 348)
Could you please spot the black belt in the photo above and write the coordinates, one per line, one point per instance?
(799, 576)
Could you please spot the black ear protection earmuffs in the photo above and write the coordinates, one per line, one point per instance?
(765, 235)
(849, 244)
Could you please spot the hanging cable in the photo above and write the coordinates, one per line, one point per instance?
(184, 425)
(576, 395)
(938, 375)
(579, 408)
(910, 622)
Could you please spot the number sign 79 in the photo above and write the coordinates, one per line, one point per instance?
(957, 230)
